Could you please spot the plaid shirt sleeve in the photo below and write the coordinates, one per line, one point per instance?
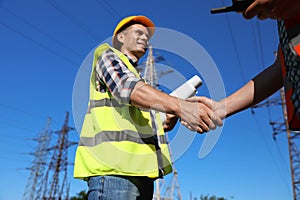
(112, 74)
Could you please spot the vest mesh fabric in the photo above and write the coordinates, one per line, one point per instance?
(292, 62)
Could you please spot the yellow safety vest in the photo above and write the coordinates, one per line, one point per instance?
(118, 139)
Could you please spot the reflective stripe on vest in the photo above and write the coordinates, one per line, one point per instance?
(293, 32)
(118, 139)
(294, 35)
(119, 136)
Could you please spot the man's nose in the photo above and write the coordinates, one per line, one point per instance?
(144, 37)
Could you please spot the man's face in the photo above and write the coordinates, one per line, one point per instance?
(135, 40)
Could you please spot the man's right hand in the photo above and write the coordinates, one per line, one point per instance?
(199, 117)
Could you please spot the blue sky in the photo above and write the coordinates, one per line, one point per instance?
(43, 44)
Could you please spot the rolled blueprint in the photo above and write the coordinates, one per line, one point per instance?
(186, 90)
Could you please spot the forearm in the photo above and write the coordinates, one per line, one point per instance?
(146, 97)
(198, 117)
(240, 100)
(256, 90)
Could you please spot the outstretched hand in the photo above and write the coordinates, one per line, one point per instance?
(274, 9)
(199, 115)
(218, 107)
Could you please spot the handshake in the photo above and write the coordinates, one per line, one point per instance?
(211, 113)
(197, 113)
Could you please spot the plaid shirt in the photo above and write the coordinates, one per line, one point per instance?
(112, 74)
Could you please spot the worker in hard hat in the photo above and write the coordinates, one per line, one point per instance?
(122, 147)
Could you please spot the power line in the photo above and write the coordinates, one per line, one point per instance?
(36, 116)
(16, 124)
(260, 45)
(110, 9)
(282, 176)
(73, 19)
(36, 42)
(234, 46)
(41, 31)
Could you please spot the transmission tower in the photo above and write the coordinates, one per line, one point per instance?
(34, 184)
(48, 180)
(293, 142)
(170, 190)
(164, 191)
(150, 75)
(56, 186)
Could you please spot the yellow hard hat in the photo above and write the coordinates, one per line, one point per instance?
(132, 20)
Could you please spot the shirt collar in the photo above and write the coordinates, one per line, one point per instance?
(133, 61)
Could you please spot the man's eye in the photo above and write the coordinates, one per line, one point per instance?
(140, 32)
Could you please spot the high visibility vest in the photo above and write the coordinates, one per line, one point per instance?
(118, 139)
(293, 30)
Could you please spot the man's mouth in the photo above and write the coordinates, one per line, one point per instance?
(143, 44)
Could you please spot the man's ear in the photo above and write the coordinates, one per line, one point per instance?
(121, 37)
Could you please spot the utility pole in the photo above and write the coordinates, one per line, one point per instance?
(163, 191)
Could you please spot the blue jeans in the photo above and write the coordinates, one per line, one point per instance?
(120, 188)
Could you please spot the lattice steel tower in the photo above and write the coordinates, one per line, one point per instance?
(56, 185)
(33, 190)
(48, 179)
(164, 191)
